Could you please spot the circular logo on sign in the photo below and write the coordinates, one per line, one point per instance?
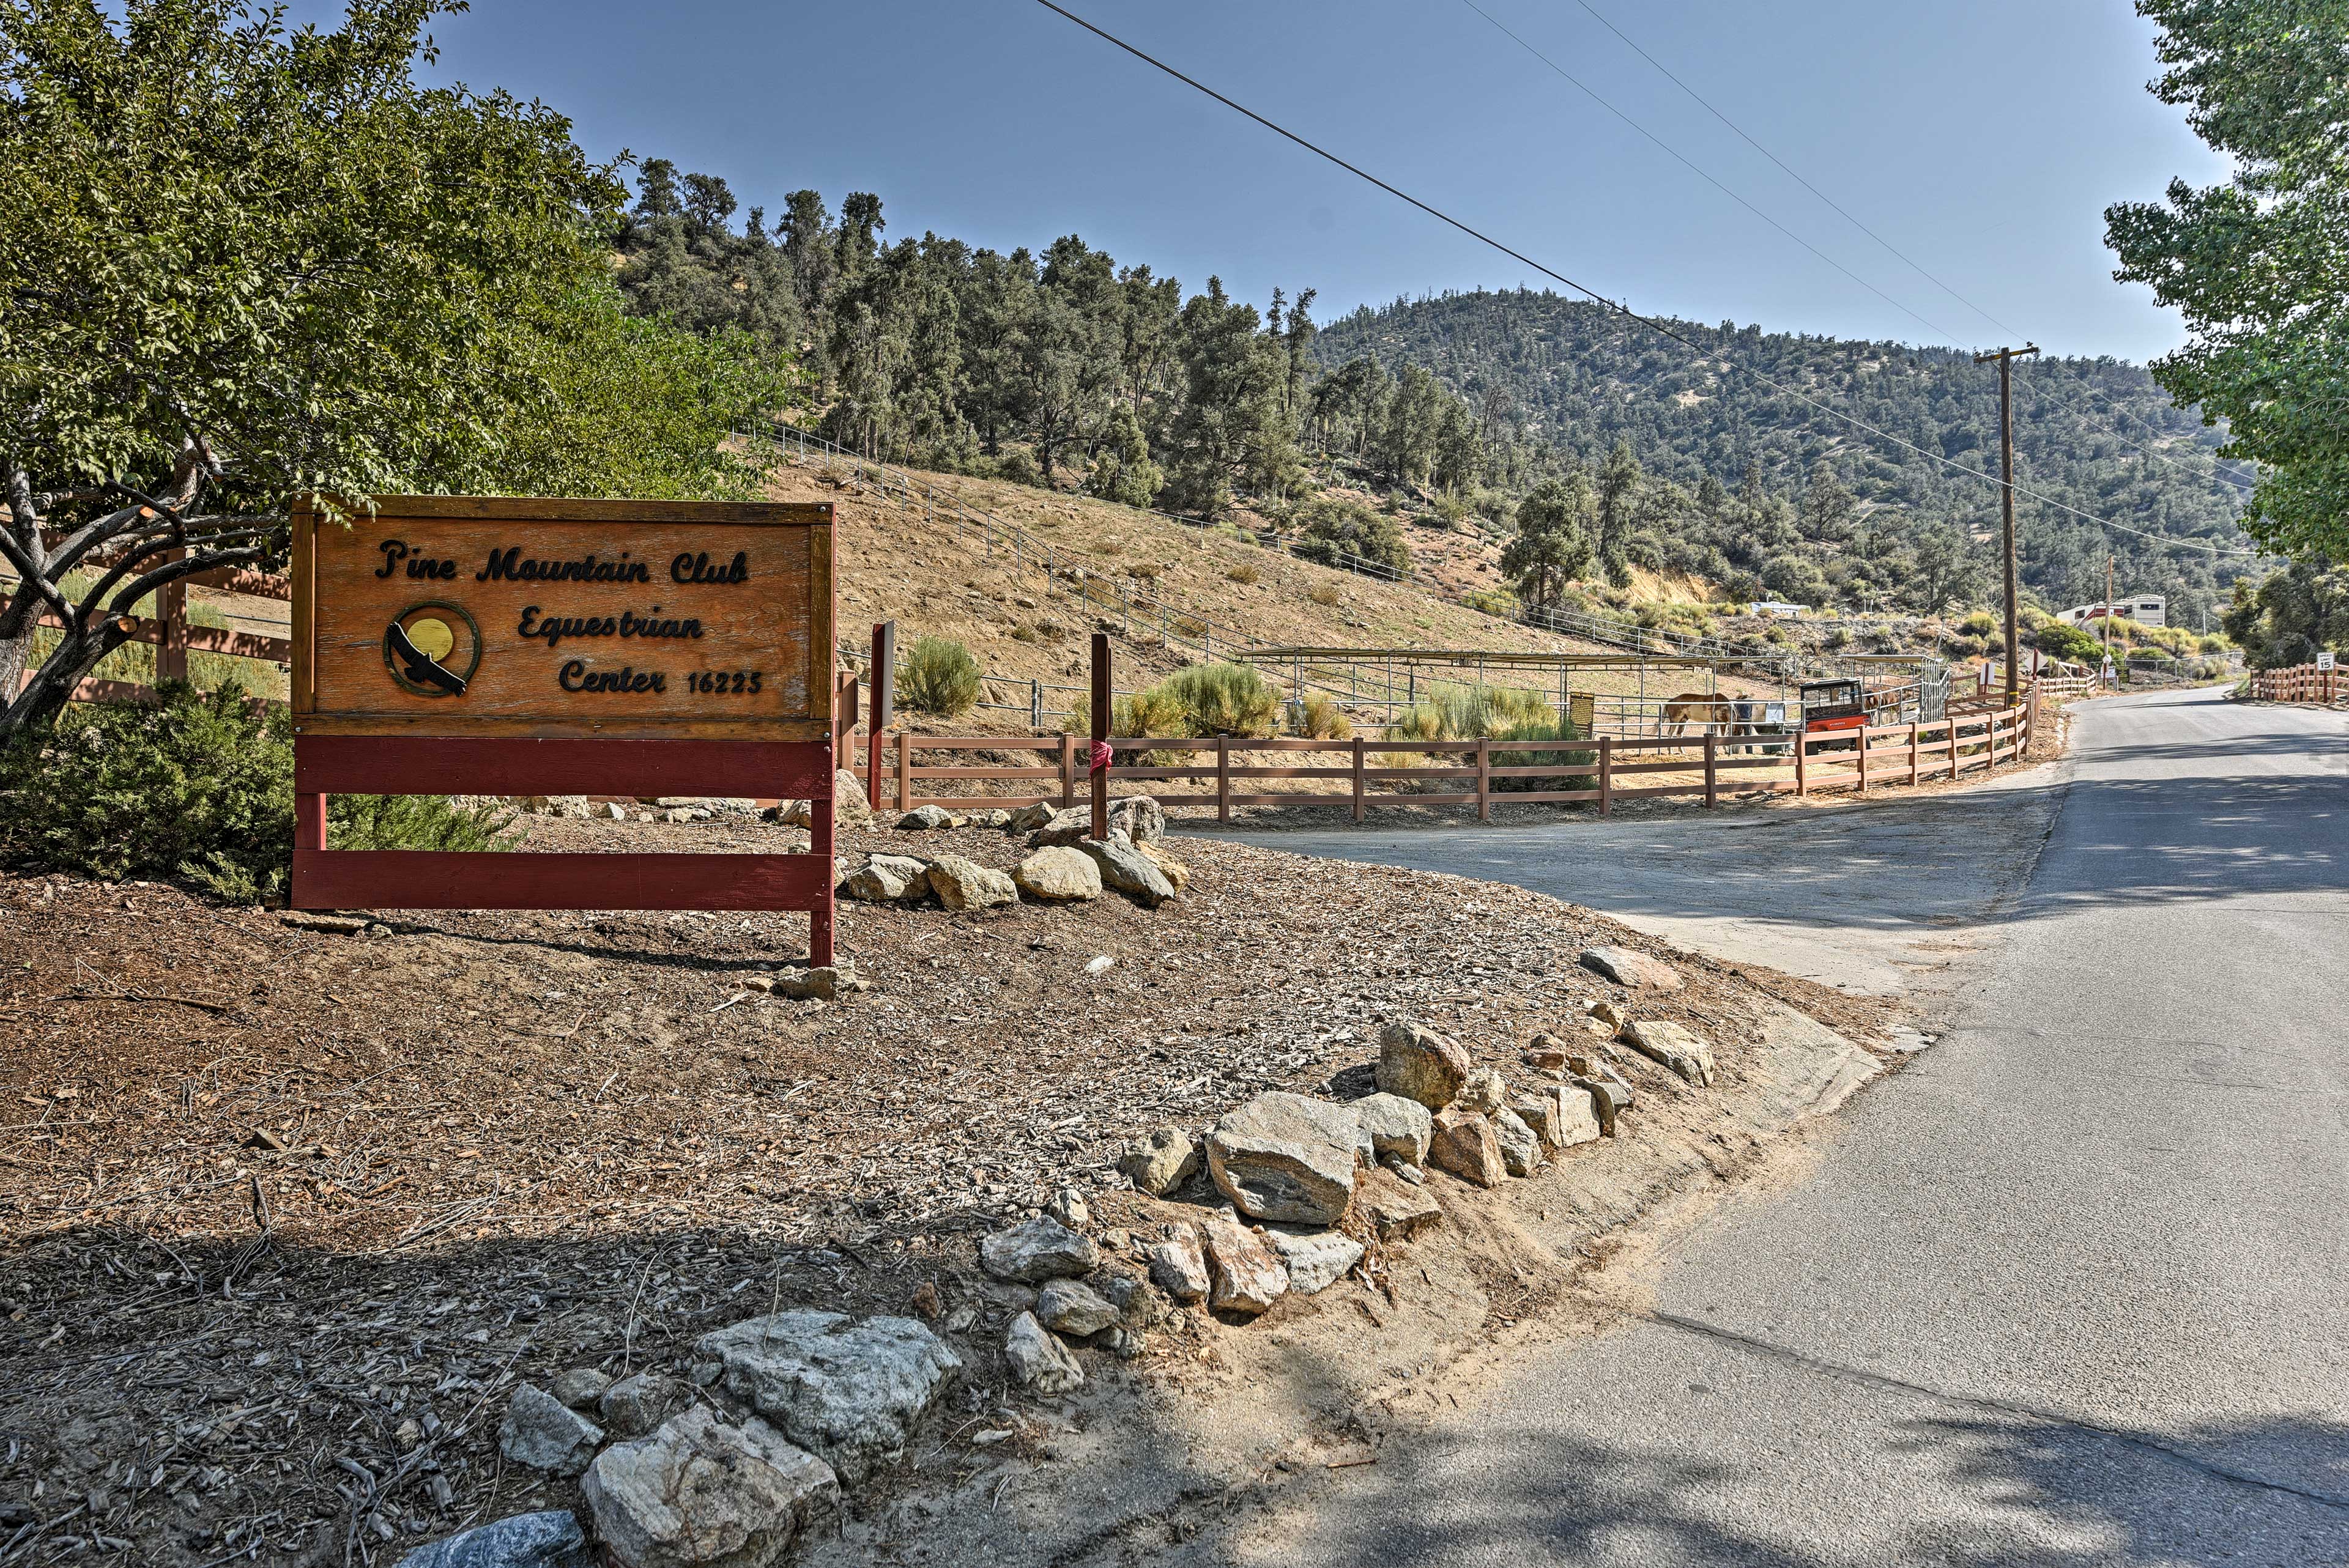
(433, 649)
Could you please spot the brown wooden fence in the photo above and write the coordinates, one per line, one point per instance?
(173, 638)
(2300, 683)
(903, 771)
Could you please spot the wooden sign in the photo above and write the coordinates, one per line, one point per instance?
(488, 616)
(463, 645)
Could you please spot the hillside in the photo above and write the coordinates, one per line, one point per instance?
(900, 563)
(1580, 378)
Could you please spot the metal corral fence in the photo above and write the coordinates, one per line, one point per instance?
(2299, 683)
(1360, 774)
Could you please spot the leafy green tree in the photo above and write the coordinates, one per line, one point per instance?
(1944, 568)
(2293, 615)
(1620, 482)
(2259, 267)
(1553, 545)
(1826, 508)
(243, 263)
(1123, 472)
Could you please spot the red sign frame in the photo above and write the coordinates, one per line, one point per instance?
(798, 763)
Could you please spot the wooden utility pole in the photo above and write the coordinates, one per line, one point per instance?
(2108, 607)
(2006, 358)
(1097, 763)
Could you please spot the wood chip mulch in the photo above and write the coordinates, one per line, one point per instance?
(285, 1215)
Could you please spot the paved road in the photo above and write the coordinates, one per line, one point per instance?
(2068, 1291)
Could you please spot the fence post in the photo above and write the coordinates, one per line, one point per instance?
(1483, 778)
(1802, 762)
(885, 688)
(1358, 779)
(1606, 774)
(1913, 754)
(1710, 774)
(1067, 770)
(171, 610)
(1953, 749)
(1223, 779)
(1035, 704)
(1863, 752)
(905, 770)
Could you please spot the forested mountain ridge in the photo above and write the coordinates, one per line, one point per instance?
(1580, 378)
(1591, 448)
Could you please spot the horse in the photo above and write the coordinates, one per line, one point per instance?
(1699, 708)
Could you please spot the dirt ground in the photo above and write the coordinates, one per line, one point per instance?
(286, 1215)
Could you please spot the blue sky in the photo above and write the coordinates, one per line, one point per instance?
(1984, 139)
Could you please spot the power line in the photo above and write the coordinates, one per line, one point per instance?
(1587, 91)
(1651, 323)
(2218, 466)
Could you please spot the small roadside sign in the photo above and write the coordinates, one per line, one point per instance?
(2324, 661)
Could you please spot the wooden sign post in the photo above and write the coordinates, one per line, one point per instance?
(457, 645)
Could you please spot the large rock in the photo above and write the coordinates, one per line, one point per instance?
(1177, 873)
(1162, 1162)
(1396, 1126)
(888, 878)
(965, 884)
(1316, 1263)
(1396, 1209)
(1139, 818)
(1520, 1148)
(1484, 1090)
(1249, 1276)
(1030, 817)
(1075, 1309)
(848, 807)
(1179, 1265)
(549, 1539)
(1420, 1064)
(1464, 1145)
(1041, 1363)
(1673, 1045)
(636, 1404)
(928, 819)
(1065, 826)
(1128, 870)
(1608, 1101)
(1286, 1156)
(701, 1493)
(848, 1389)
(1626, 967)
(1058, 874)
(543, 1432)
(1560, 1115)
(1037, 1250)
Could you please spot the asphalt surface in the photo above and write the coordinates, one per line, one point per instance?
(2069, 1290)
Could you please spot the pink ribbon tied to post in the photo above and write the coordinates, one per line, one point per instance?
(1098, 759)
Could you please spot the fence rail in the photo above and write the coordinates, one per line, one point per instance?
(2299, 683)
(1375, 773)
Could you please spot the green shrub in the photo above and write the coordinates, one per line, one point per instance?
(1320, 717)
(1981, 624)
(1334, 529)
(198, 786)
(2060, 640)
(1223, 699)
(1574, 765)
(938, 675)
